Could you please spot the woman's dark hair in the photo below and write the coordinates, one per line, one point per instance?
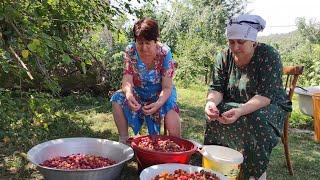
(147, 29)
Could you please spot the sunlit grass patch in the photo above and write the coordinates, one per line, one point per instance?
(89, 116)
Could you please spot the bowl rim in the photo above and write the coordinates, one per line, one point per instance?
(137, 148)
(47, 143)
(181, 166)
(310, 90)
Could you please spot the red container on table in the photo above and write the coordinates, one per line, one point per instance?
(148, 158)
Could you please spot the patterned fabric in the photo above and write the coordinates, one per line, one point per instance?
(257, 133)
(147, 87)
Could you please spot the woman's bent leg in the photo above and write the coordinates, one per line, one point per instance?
(120, 121)
(172, 122)
(254, 135)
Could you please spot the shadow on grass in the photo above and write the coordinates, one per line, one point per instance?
(91, 117)
(36, 118)
(98, 104)
(13, 159)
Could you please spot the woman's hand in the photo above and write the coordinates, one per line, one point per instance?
(127, 87)
(151, 108)
(211, 111)
(230, 116)
(133, 103)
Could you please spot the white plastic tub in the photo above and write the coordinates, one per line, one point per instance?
(305, 99)
(224, 160)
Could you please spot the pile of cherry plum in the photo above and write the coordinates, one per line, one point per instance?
(180, 174)
(157, 144)
(78, 161)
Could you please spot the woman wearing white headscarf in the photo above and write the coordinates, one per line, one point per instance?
(246, 103)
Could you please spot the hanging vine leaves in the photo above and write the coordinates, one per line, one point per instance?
(51, 34)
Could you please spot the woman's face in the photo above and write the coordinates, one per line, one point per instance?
(242, 49)
(146, 47)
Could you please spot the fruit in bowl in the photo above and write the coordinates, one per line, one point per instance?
(159, 149)
(66, 152)
(159, 144)
(184, 175)
(179, 171)
(78, 161)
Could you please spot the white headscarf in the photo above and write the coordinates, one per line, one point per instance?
(245, 27)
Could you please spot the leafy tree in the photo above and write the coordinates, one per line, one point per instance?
(42, 42)
(301, 47)
(309, 31)
(195, 30)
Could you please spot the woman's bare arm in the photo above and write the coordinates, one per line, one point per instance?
(166, 90)
(127, 86)
(215, 97)
(255, 103)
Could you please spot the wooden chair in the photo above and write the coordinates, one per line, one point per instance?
(292, 73)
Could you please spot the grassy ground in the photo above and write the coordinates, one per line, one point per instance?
(50, 118)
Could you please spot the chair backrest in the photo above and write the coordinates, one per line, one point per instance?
(292, 73)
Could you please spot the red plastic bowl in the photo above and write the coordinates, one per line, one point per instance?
(148, 158)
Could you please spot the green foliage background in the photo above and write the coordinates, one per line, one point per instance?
(72, 46)
(78, 45)
(301, 47)
(60, 42)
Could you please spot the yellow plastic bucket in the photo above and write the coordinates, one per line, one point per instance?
(222, 159)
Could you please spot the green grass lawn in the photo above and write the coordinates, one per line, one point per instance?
(29, 119)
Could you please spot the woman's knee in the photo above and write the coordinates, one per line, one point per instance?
(117, 112)
(115, 105)
(172, 116)
(172, 122)
(117, 96)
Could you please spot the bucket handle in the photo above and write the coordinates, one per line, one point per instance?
(302, 88)
(198, 145)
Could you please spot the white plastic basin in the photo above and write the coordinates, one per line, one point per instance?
(305, 99)
(222, 159)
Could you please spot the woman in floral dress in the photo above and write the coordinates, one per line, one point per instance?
(246, 103)
(147, 94)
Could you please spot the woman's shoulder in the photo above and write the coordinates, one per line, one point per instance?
(267, 49)
(164, 49)
(268, 55)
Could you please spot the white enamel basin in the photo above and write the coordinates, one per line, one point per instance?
(305, 99)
